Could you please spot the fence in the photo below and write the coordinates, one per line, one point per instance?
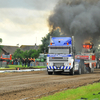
(38, 64)
(3, 64)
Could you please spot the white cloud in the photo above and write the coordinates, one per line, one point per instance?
(29, 4)
(19, 25)
(22, 21)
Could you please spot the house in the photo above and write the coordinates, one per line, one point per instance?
(28, 47)
(8, 49)
(11, 49)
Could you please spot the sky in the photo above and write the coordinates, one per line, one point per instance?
(24, 22)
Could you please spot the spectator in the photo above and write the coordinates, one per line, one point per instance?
(1, 62)
(29, 60)
(34, 59)
(18, 61)
(23, 61)
(12, 62)
(7, 61)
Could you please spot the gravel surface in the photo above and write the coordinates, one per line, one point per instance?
(33, 85)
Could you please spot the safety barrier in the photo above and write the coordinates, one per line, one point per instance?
(3, 64)
(38, 64)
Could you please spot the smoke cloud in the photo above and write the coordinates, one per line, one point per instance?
(80, 18)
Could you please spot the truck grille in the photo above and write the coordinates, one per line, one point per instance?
(58, 64)
(57, 57)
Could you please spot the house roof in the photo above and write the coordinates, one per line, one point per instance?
(12, 49)
(28, 47)
(9, 49)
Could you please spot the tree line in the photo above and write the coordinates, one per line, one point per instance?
(26, 54)
(43, 47)
(32, 53)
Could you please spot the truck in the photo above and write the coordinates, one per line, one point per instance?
(98, 60)
(98, 63)
(6, 56)
(42, 57)
(89, 57)
(61, 57)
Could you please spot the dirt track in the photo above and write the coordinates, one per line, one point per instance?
(32, 85)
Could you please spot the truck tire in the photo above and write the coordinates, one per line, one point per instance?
(79, 71)
(97, 65)
(91, 70)
(83, 67)
(50, 73)
(87, 70)
(72, 71)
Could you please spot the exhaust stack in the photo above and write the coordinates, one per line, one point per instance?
(73, 41)
(50, 39)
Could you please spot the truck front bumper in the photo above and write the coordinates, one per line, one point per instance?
(59, 68)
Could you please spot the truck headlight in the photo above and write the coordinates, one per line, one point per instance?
(69, 64)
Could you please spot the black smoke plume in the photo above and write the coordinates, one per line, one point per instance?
(80, 18)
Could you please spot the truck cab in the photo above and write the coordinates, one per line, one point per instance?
(60, 56)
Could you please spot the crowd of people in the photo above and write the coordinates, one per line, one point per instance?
(27, 61)
(24, 61)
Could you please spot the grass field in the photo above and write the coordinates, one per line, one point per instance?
(89, 92)
(20, 66)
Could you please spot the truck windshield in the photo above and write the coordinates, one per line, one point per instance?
(5, 56)
(60, 50)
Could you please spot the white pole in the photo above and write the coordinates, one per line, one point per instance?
(36, 40)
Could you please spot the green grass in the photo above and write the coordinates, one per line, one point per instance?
(20, 66)
(39, 67)
(76, 94)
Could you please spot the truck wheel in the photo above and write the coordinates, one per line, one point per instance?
(72, 71)
(91, 70)
(97, 65)
(87, 70)
(83, 67)
(79, 71)
(50, 73)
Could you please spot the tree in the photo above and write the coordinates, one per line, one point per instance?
(0, 43)
(46, 40)
(26, 54)
(0, 40)
(18, 54)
